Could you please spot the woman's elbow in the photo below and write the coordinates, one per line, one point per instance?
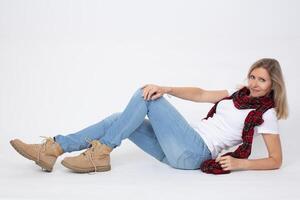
(277, 163)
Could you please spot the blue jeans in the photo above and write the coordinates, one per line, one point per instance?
(165, 135)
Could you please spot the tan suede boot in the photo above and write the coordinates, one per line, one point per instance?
(95, 159)
(44, 154)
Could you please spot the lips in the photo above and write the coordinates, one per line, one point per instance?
(254, 90)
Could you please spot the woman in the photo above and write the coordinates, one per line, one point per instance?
(168, 137)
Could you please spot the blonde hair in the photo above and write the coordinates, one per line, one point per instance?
(278, 86)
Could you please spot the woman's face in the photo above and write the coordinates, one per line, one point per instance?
(259, 82)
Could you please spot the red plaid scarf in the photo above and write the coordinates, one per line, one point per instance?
(241, 100)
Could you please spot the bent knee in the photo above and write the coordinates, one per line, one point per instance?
(138, 92)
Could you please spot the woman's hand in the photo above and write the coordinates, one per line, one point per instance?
(229, 163)
(153, 92)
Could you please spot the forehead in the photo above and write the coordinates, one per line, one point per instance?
(260, 72)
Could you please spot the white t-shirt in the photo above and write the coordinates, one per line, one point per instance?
(224, 129)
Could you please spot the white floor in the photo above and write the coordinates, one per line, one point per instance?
(136, 175)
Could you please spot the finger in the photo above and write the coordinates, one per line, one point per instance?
(147, 90)
(222, 158)
(156, 96)
(148, 94)
(222, 162)
(144, 86)
(226, 168)
(225, 165)
(217, 159)
(151, 92)
(145, 93)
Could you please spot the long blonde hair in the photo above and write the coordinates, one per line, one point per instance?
(278, 86)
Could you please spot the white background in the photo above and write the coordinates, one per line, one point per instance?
(65, 65)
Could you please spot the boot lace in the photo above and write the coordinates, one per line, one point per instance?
(89, 154)
(43, 147)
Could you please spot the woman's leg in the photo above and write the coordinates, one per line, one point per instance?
(181, 144)
(80, 140)
(143, 137)
(174, 142)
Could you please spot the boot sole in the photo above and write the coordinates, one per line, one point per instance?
(86, 170)
(40, 163)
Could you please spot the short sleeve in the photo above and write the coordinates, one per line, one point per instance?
(270, 124)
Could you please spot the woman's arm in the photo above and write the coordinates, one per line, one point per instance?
(274, 160)
(196, 94)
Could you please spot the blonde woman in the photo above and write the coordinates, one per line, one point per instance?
(235, 118)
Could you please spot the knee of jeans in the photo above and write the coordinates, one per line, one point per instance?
(115, 115)
(187, 160)
(138, 92)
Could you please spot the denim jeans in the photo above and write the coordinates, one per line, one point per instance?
(165, 135)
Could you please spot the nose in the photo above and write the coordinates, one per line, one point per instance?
(253, 83)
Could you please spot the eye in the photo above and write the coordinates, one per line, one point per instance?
(251, 77)
(262, 80)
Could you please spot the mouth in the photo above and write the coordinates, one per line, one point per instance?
(254, 90)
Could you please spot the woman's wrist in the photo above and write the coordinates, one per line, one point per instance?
(243, 163)
(167, 90)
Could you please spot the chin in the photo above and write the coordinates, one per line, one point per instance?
(253, 95)
(257, 94)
